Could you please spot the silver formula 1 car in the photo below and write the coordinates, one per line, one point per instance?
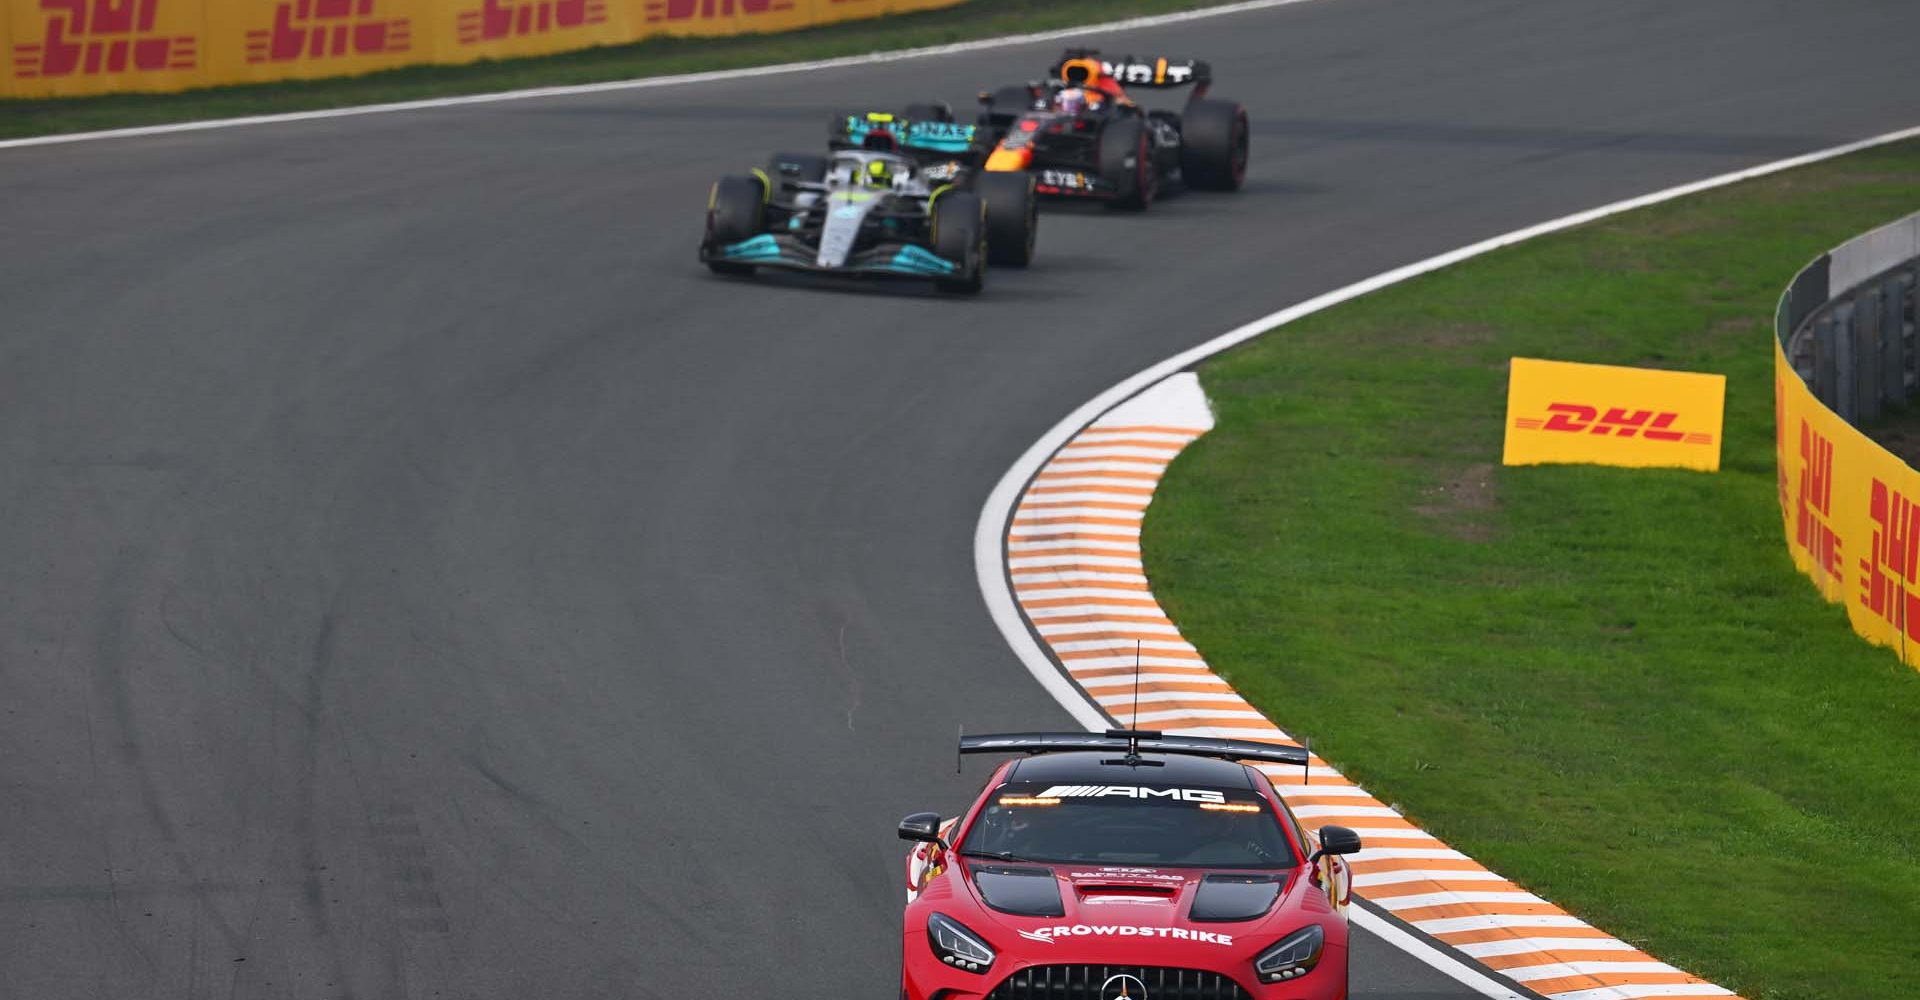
(865, 212)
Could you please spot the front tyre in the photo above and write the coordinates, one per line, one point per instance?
(1013, 217)
(1213, 145)
(960, 235)
(736, 211)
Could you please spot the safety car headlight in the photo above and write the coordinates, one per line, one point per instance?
(957, 946)
(1293, 957)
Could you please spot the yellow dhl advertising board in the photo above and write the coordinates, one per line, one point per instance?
(1851, 511)
(72, 47)
(1560, 412)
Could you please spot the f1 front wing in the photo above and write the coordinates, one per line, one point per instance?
(776, 250)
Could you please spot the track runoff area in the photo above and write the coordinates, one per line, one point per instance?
(1057, 548)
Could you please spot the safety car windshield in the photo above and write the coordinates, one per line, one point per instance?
(1128, 825)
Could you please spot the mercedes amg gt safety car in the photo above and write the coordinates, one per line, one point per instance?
(950, 152)
(1082, 137)
(855, 212)
(1128, 865)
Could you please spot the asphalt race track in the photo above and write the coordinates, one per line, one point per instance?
(419, 578)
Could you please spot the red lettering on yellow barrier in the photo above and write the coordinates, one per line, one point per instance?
(1812, 532)
(1889, 573)
(707, 10)
(91, 37)
(497, 19)
(326, 29)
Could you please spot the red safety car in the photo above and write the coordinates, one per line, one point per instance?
(1128, 865)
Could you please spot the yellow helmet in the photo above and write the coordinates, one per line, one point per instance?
(879, 174)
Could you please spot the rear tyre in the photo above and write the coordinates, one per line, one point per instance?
(1007, 104)
(1213, 145)
(960, 235)
(738, 212)
(929, 111)
(1126, 165)
(1013, 217)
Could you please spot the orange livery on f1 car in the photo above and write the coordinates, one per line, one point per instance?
(1081, 135)
(1126, 864)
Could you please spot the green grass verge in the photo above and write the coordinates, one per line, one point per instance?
(1610, 685)
(653, 57)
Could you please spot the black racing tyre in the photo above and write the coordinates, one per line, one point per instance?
(1213, 145)
(960, 234)
(1007, 104)
(1126, 164)
(929, 111)
(789, 168)
(737, 212)
(1013, 216)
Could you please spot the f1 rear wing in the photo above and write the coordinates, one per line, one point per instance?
(1155, 71)
(1135, 741)
(880, 130)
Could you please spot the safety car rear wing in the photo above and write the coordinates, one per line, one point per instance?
(1134, 742)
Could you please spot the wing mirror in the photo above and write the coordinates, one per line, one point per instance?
(926, 827)
(1333, 840)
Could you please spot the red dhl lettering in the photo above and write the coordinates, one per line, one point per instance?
(506, 18)
(88, 37)
(1780, 439)
(1815, 504)
(325, 29)
(707, 10)
(1816, 470)
(1888, 574)
(1578, 418)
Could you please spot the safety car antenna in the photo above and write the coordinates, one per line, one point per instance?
(962, 738)
(1306, 764)
(1133, 724)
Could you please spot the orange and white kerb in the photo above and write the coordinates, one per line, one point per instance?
(1073, 555)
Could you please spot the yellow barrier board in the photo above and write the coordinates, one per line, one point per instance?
(1851, 511)
(73, 47)
(1560, 412)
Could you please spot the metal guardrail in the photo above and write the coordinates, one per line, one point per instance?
(1847, 322)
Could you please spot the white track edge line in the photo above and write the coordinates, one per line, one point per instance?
(1392, 933)
(990, 532)
(650, 82)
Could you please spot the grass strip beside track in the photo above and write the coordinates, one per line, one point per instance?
(652, 57)
(1609, 685)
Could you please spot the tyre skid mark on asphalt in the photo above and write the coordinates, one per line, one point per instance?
(1087, 599)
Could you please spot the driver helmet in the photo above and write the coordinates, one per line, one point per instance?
(1072, 101)
(879, 174)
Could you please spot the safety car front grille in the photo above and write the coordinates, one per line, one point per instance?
(1085, 982)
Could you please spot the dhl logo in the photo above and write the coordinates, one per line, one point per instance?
(324, 29)
(707, 10)
(505, 18)
(1780, 424)
(1889, 572)
(1576, 418)
(89, 37)
(1815, 505)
